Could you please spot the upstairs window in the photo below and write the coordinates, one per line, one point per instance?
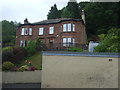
(73, 27)
(30, 31)
(69, 27)
(40, 31)
(26, 31)
(22, 32)
(51, 30)
(64, 27)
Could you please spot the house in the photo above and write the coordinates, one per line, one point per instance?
(56, 34)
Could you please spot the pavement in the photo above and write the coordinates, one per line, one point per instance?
(22, 85)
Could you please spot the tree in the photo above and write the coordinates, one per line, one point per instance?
(100, 16)
(72, 10)
(8, 32)
(109, 42)
(53, 13)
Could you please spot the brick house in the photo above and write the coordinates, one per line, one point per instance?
(56, 34)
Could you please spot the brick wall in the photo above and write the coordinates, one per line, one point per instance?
(79, 34)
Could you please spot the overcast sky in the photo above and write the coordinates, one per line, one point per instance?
(34, 10)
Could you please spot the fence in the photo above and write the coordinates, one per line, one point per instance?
(61, 46)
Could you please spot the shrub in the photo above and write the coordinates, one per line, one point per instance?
(32, 68)
(7, 56)
(21, 69)
(19, 54)
(74, 49)
(14, 56)
(7, 49)
(7, 65)
(31, 48)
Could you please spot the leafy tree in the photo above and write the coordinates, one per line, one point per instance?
(72, 10)
(8, 32)
(100, 16)
(54, 13)
(109, 42)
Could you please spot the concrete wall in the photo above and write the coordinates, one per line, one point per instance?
(21, 77)
(79, 72)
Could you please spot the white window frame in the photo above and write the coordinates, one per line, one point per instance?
(64, 27)
(30, 31)
(64, 41)
(41, 31)
(69, 27)
(22, 31)
(26, 31)
(22, 43)
(73, 27)
(51, 30)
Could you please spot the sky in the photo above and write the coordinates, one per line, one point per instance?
(33, 10)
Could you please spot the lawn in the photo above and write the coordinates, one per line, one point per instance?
(36, 61)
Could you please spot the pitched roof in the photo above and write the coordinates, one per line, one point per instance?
(52, 21)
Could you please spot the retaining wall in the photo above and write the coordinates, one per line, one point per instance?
(21, 77)
(63, 70)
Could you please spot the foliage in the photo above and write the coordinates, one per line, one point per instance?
(100, 16)
(74, 49)
(72, 10)
(7, 65)
(110, 42)
(15, 55)
(8, 32)
(53, 13)
(6, 49)
(31, 48)
(23, 68)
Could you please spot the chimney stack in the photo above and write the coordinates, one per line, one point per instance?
(26, 21)
(83, 16)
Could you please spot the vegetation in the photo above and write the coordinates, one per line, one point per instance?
(20, 55)
(8, 32)
(7, 65)
(75, 49)
(109, 42)
(100, 16)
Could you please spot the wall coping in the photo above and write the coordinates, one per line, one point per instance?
(89, 54)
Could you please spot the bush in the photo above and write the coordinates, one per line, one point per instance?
(7, 66)
(21, 69)
(19, 54)
(7, 49)
(31, 48)
(75, 49)
(14, 56)
(7, 56)
(32, 68)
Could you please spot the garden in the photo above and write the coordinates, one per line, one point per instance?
(27, 58)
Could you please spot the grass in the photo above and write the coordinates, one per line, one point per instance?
(36, 61)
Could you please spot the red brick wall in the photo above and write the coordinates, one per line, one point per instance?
(79, 34)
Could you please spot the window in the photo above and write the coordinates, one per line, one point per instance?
(30, 31)
(68, 42)
(64, 41)
(73, 27)
(22, 43)
(22, 32)
(69, 27)
(40, 31)
(26, 31)
(64, 27)
(51, 30)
